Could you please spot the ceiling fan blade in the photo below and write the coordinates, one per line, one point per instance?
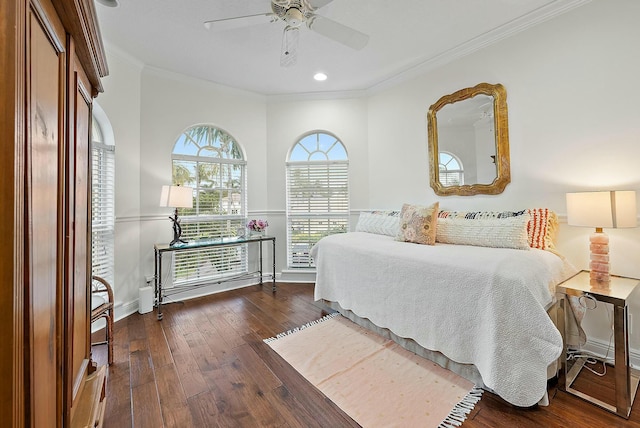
(317, 4)
(338, 32)
(239, 22)
(289, 53)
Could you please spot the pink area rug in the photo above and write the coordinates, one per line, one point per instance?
(374, 380)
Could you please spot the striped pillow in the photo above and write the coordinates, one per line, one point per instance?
(541, 229)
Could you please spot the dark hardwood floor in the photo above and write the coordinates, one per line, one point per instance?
(205, 365)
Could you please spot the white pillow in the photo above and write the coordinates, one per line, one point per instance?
(379, 222)
(510, 232)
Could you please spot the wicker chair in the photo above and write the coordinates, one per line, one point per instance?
(102, 307)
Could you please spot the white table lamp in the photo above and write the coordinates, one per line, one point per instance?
(614, 209)
(176, 197)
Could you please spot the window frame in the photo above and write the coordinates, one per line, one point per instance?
(444, 172)
(336, 214)
(223, 262)
(103, 165)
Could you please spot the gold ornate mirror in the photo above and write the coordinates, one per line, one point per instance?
(469, 142)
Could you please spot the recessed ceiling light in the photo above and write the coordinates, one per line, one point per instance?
(108, 3)
(320, 77)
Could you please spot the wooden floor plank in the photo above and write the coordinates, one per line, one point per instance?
(173, 402)
(158, 346)
(145, 406)
(204, 410)
(189, 373)
(140, 369)
(205, 365)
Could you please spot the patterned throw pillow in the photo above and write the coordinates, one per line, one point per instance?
(506, 232)
(541, 229)
(418, 224)
(379, 222)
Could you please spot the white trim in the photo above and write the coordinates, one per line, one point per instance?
(297, 275)
(112, 49)
(251, 213)
(179, 77)
(599, 348)
(544, 13)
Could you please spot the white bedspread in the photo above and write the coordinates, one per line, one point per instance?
(481, 306)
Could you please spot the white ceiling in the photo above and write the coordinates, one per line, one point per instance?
(406, 38)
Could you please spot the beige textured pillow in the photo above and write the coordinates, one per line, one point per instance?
(509, 232)
(418, 224)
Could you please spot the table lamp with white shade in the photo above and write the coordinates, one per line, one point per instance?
(614, 209)
(176, 197)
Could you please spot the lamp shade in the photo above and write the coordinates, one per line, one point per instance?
(613, 209)
(176, 197)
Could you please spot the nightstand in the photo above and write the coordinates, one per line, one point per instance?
(626, 378)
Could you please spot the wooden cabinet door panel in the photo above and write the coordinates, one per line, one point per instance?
(80, 115)
(46, 67)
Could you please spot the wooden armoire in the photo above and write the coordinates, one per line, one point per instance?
(51, 63)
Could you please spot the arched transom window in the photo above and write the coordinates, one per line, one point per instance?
(210, 161)
(317, 194)
(103, 169)
(451, 170)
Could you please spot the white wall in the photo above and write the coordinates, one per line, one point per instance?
(121, 103)
(573, 125)
(287, 122)
(148, 110)
(172, 103)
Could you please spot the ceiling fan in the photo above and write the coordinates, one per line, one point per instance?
(295, 13)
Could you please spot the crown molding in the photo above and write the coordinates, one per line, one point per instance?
(493, 36)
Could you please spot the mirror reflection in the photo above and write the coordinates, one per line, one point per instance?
(468, 142)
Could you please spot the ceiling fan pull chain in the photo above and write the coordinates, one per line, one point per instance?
(289, 53)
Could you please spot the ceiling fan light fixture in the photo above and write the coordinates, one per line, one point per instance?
(320, 76)
(293, 17)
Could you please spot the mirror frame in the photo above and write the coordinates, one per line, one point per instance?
(502, 160)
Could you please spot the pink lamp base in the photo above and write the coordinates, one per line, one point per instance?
(599, 264)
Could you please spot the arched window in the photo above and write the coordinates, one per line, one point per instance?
(451, 170)
(317, 194)
(103, 163)
(210, 161)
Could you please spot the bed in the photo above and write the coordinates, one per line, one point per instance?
(480, 311)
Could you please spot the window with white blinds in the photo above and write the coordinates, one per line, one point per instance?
(102, 205)
(451, 172)
(317, 195)
(211, 162)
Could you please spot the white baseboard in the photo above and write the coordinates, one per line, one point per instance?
(297, 275)
(602, 349)
(123, 310)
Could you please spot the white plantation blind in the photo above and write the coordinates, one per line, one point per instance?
(317, 195)
(102, 210)
(451, 172)
(210, 161)
(203, 265)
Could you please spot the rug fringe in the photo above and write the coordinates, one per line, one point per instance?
(302, 327)
(461, 410)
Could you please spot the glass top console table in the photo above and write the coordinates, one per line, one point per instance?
(160, 249)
